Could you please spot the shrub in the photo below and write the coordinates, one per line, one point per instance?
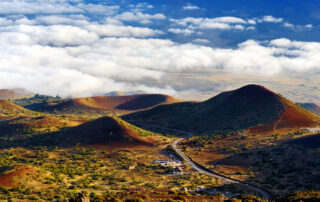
(138, 199)
(180, 198)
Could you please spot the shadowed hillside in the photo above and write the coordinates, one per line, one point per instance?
(108, 104)
(107, 130)
(230, 111)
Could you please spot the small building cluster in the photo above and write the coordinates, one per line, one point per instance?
(167, 163)
(313, 130)
(175, 164)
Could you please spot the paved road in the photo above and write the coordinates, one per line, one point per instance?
(265, 195)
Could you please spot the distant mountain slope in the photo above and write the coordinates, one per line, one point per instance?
(311, 107)
(111, 104)
(120, 93)
(14, 93)
(109, 130)
(242, 108)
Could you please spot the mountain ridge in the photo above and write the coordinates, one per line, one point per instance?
(108, 104)
(230, 111)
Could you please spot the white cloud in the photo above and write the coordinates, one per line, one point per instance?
(139, 17)
(57, 35)
(222, 23)
(98, 8)
(36, 7)
(308, 26)
(140, 7)
(111, 30)
(62, 50)
(5, 22)
(286, 24)
(190, 7)
(297, 27)
(181, 31)
(56, 19)
(53, 7)
(199, 21)
(201, 41)
(144, 5)
(283, 42)
(252, 22)
(79, 61)
(269, 18)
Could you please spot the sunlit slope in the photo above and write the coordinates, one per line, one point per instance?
(243, 108)
(108, 131)
(108, 104)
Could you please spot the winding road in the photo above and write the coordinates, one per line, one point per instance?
(264, 194)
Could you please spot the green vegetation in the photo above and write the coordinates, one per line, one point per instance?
(283, 165)
(72, 154)
(63, 173)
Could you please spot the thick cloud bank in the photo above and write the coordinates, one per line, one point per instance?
(63, 51)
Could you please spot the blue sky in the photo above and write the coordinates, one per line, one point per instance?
(296, 13)
(189, 49)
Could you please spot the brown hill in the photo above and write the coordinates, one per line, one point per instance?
(109, 104)
(109, 130)
(230, 111)
(8, 179)
(293, 116)
(17, 122)
(14, 93)
(9, 109)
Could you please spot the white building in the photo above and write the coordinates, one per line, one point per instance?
(167, 163)
(313, 130)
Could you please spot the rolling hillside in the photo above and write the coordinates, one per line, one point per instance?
(9, 109)
(121, 93)
(243, 108)
(17, 122)
(104, 131)
(108, 104)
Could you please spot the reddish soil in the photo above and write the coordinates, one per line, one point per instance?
(130, 102)
(8, 179)
(44, 121)
(7, 92)
(103, 102)
(14, 93)
(10, 105)
(292, 117)
(109, 131)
